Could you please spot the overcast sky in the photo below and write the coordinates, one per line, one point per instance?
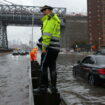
(24, 33)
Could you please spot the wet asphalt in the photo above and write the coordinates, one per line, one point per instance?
(14, 82)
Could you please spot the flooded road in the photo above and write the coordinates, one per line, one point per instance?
(14, 82)
(77, 92)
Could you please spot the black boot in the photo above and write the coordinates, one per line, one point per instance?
(40, 90)
(53, 89)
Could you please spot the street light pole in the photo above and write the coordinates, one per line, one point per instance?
(99, 42)
(32, 28)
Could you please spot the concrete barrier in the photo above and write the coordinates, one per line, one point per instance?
(5, 50)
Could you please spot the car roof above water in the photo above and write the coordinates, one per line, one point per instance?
(100, 59)
(94, 56)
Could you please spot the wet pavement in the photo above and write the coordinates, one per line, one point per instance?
(14, 82)
(77, 91)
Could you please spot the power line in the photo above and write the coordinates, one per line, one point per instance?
(2, 3)
(9, 2)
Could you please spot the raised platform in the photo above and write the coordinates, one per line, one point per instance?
(38, 98)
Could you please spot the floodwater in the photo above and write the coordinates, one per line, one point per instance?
(14, 82)
(77, 91)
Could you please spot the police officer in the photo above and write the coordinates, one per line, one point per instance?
(50, 41)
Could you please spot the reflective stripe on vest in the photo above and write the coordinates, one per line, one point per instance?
(47, 34)
(42, 44)
(55, 38)
(55, 48)
(55, 43)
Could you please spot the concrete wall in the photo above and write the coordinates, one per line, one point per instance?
(76, 30)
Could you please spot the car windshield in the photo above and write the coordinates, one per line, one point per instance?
(100, 60)
(103, 51)
(15, 51)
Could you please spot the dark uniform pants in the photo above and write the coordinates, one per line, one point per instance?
(48, 60)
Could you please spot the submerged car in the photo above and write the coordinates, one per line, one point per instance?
(27, 52)
(22, 52)
(92, 69)
(15, 52)
(101, 51)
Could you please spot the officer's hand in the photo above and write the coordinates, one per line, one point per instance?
(44, 51)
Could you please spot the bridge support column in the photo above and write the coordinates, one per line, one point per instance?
(3, 36)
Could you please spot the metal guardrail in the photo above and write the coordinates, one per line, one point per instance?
(22, 15)
(27, 10)
(18, 14)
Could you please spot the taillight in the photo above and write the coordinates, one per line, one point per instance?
(101, 71)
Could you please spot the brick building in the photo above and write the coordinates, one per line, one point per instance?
(96, 22)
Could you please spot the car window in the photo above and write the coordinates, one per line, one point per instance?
(103, 51)
(88, 60)
(92, 61)
(100, 60)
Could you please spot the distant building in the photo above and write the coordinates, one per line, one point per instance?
(96, 22)
(76, 30)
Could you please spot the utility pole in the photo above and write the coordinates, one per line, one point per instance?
(32, 29)
(99, 42)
